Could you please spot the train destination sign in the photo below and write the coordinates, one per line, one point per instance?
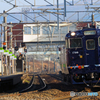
(92, 32)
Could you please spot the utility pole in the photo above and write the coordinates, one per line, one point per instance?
(54, 64)
(5, 28)
(53, 2)
(5, 41)
(58, 14)
(10, 47)
(48, 63)
(42, 62)
(2, 66)
(34, 13)
(26, 62)
(33, 64)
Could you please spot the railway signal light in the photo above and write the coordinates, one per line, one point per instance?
(4, 47)
(4, 43)
(23, 44)
(25, 50)
(16, 48)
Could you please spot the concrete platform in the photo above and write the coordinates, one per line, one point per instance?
(11, 79)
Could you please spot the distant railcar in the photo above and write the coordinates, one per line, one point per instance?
(82, 52)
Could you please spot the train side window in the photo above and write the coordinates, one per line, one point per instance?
(90, 44)
(99, 41)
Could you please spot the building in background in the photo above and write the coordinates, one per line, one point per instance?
(42, 32)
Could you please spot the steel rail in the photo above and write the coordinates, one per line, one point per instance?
(44, 84)
(28, 87)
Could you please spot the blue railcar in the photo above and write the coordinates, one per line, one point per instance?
(83, 56)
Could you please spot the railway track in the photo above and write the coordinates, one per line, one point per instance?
(27, 88)
(54, 89)
(43, 84)
(21, 87)
(31, 86)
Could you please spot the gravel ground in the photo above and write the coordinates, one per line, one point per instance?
(56, 90)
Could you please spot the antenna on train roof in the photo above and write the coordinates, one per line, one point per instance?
(88, 25)
(92, 25)
(93, 19)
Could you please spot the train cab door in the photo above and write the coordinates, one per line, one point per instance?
(90, 51)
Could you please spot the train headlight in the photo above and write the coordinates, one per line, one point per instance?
(73, 34)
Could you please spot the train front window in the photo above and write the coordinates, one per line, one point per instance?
(67, 43)
(99, 41)
(75, 43)
(90, 44)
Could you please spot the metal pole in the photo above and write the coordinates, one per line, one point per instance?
(13, 61)
(15, 2)
(53, 2)
(65, 8)
(15, 64)
(35, 14)
(54, 65)
(28, 65)
(1, 53)
(42, 63)
(14, 68)
(92, 19)
(33, 65)
(58, 19)
(1, 65)
(22, 63)
(58, 14)
(5, 40)
(26, 62)
(78, 16)
(5, 28)
(72, 2)
(91, 2)
(48, 63)
(10, 48)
